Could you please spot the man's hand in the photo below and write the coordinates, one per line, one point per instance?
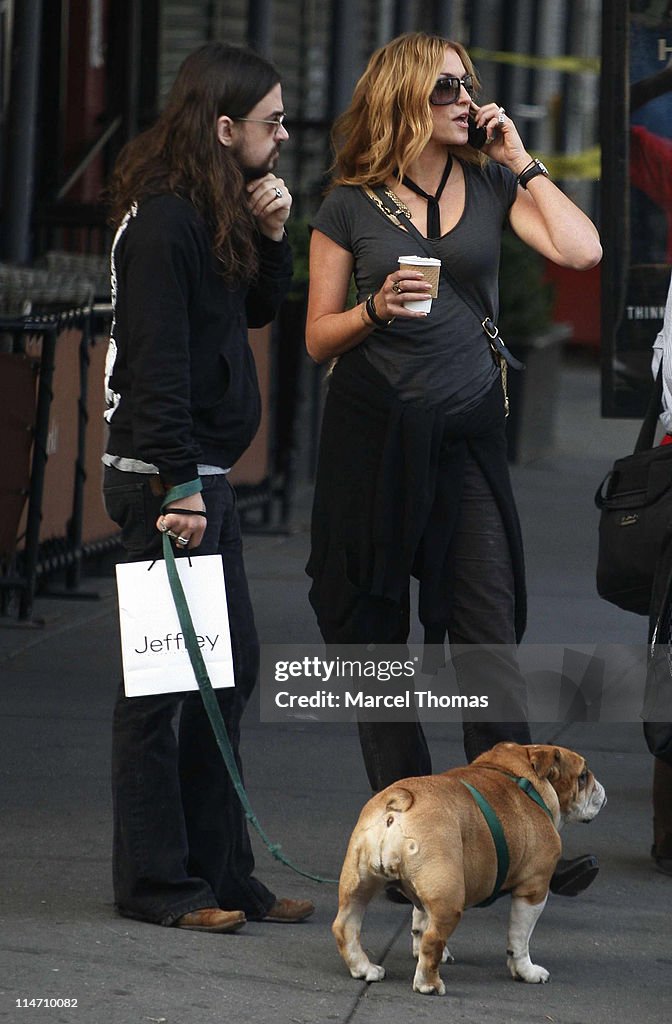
(182, 523)
(270, 202)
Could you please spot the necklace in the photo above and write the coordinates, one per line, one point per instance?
(433, 213)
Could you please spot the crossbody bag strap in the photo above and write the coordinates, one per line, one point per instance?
(385, 199)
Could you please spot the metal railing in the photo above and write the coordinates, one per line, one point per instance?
(40, 305)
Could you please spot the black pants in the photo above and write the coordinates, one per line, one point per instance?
(482, 613)
(662, 808)
(180, 834)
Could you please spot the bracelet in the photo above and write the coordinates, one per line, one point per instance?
(371, 313)
(185, 512)
(531, 171)
(526, 168)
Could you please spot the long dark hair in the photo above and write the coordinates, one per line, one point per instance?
(181, 154)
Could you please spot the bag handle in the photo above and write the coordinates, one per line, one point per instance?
(647, 430)
(378, 196)
(645, 438)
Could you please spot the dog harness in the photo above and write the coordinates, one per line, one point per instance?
(496, 830)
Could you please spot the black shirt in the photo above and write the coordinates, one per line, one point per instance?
(183, 382)
(445, 357)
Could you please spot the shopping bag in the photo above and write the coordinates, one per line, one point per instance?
(153, 648)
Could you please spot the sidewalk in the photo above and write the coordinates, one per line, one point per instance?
(607, 951)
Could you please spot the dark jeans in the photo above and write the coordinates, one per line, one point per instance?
(180, 833)
(482, 613)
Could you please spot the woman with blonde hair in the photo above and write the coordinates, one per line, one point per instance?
(412, 476)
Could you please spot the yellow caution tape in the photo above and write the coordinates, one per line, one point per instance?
(571, 65)
(584, 166)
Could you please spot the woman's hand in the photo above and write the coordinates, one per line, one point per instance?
(541, 214)
(331, 329)
(503, 143)
(186, 524)
(400, 287)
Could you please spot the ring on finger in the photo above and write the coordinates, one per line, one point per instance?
(278, 193)
(500, 116)
(182, 541)
(396, 287)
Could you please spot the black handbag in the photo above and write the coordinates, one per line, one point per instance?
(635, 503)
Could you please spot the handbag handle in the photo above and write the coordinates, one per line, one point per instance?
(647, 430)
(600, 495)
(645, 438)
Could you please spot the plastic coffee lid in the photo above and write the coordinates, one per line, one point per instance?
(420, 259)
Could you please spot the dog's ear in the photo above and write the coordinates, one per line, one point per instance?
(545, 761)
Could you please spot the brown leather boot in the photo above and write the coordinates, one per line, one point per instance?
(212, 919)
(286, 911)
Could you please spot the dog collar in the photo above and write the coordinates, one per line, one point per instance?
(496, 830)
(523, 784)
(530, 791)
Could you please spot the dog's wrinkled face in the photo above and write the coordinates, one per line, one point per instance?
(580, 795)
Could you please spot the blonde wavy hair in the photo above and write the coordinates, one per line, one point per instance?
(389, 120)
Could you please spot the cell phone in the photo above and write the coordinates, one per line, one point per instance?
(476, 136)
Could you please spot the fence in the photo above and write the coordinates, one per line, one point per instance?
(47, 336)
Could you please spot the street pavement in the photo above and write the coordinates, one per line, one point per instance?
(608, 951)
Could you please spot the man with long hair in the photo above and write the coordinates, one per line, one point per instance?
(200, 254)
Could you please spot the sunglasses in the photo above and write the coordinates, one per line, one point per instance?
(447, 90)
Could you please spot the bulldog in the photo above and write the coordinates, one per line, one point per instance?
(458, 840)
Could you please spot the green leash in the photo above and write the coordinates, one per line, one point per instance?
(210, 700)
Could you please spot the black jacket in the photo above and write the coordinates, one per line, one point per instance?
(387, 498)
(184, 373)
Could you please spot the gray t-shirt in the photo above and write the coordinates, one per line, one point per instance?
(444, 357)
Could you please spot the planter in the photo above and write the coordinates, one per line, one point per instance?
(533, 394)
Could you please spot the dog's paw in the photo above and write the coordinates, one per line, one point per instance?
(427, 987)
(430, 990)
(526, 971)
(374, 972)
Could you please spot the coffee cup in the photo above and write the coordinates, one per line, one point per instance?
(430, 269)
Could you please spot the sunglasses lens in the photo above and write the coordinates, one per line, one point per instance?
(447, 90)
